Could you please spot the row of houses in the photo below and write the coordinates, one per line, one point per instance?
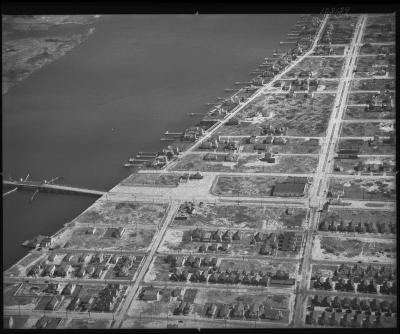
(190, 261)
(220, 157)
(56, 288)
(272, 242)
(218, 236)
(323, 50)
(355, 303)
(46, 322)
(41, 269)
(359, 271)
(107, 298)
(357, 320)
(269, 140)
(232, 277)
(274, 130)
(349, 285)
(360, 227)
(241, 310)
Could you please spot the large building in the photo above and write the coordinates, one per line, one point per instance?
(291, 187)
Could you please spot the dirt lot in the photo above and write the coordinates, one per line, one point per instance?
(354, 249)
(373, 190)
(372, 30)
(374, 84)
(370, 65)
(365, 148)
(343, 29)
(358, 112)
(142, 179)
(249, 164)
(336, 50)
(327, 85)
(293, 145)
(359, 98)
(244, 216)
(325, 68)
(11, 300)
(19, 322)
(301, 116)
(86, 324)
(252, 186)
(126, 213)
(19, 269)
(133, 239)
(384, 128)
(245, 129)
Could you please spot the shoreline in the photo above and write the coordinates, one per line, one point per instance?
(190, 147)
(24, 56)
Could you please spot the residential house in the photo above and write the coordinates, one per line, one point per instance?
(150, 294)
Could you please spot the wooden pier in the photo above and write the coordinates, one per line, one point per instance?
(53, 188)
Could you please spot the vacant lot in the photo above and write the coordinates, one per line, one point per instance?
(336, 51)
(14, 301)
(252, 186)
(373, 190)
(151, 179)
(133, 239)
(86, 324)
(367, 66)
(18, 321)
(358, 112)
(244, 216)
(359, 98)
(126, 213)
(373, 32)
(374, 84)
(293, 145)
(376, 49)
(249, 164)
(245, 129)
(327, 85)
(365, 148)
(384, 128)
(354, 249)
(343, 29)
(321, 68)
(302, 116)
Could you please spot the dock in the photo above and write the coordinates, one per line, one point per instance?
(242, 83)
(177, 134)
(167, 139)
(195, 114)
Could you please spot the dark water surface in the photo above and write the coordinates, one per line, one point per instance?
(85, 114)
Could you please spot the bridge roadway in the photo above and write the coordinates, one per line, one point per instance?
(47, 187)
